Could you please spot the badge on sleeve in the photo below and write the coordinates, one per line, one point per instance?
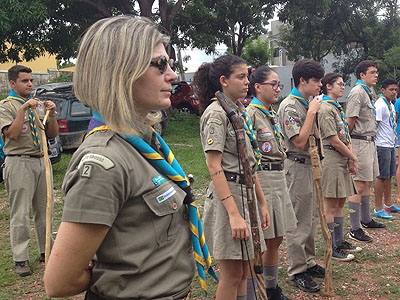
(266, 147)
(86, 164)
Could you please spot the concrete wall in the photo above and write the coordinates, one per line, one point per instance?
(39, 78)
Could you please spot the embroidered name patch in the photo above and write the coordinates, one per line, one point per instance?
(158, 180)
(164, 196)
(97, 159)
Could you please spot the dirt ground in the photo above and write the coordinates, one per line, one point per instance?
(374, 274)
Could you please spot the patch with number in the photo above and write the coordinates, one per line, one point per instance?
(97, 159)
(266, 147)
(158, 180)
(165, 196)
(86, 171)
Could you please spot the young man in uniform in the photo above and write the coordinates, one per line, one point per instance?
(24, 172)
(361, 118)
(297, 120)
(385, 146)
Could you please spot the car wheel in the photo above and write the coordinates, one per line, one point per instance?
(185, 109)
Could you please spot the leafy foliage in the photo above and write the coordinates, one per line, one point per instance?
(258, 52)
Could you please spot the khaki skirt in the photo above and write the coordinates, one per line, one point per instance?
(217, 229)
(280, 208)
(336, 179)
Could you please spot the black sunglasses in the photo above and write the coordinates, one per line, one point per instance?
(161, 63)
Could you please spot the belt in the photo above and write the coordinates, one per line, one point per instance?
(299, 159)
(235, 177)
(92, 296)
(364, 138)
(273, 166)
(25, 155)
(330, 147)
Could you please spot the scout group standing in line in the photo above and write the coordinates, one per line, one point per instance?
(125, 226)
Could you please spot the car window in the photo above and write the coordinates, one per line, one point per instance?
(176, 89)
(78, 109)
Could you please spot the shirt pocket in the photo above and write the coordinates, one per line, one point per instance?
(165, 201)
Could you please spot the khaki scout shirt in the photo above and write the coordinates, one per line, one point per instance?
(266, 139)
(359, 105)
(147, 253)
(331, 123)
(217, 133)
(292, 114)
(24, 144)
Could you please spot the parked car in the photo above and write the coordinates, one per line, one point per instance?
(246, 101)
(73, 116)
(183, 98)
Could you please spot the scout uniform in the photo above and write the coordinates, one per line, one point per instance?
(271, 176)
(363, 134)
(217, 134)
(108, 182)
(336, 179)
(299, 177)
(25, 182)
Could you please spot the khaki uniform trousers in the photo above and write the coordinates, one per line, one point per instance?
(301, 241)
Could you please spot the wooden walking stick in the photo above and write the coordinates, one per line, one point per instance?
(316, 165)
(49, 188)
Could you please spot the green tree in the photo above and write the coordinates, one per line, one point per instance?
(205, 23)
(352, 30)
(28, 28)
(258, 52)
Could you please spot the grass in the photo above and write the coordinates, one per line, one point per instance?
(379, 268)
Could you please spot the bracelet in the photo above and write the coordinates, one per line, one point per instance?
(216, 173)
(223, 199)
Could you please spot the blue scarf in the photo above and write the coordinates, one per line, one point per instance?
(370, 95)
(296, 94)
(328, 99)
(273, 118)
(32, 119)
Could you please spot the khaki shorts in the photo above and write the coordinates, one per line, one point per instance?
(367, 160)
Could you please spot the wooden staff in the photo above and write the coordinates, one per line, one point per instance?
(238, 125)
(316, 165)
(49, 188)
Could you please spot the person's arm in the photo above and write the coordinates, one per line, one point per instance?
(67, 271)
(52, 125)
(238, 224)
(351, 121)
(301, 139)
(262, 202)
(341, 147)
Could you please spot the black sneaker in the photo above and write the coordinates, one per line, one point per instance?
(373, 224)
(340, 255)
(42, 258)
(276, 294)
(349, 248)
(316, 271)
(304, 282)
(359, 235)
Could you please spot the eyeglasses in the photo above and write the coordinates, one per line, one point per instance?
(275, 85)
(161, 63)
(341, 84)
